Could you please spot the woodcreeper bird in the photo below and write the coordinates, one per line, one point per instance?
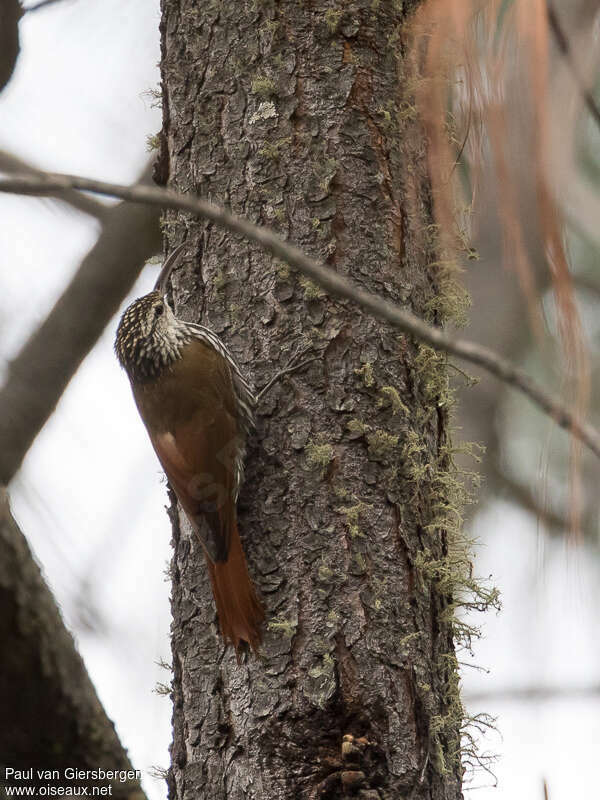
(198, 410)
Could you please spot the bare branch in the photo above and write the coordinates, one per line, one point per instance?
(56, 720)
(40, 373)
(11, 164)
(331, 281)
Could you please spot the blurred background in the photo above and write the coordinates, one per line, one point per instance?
(90, 496)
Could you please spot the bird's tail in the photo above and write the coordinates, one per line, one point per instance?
(239, 609)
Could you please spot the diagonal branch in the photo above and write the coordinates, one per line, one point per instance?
(331, 281)
(40, 373)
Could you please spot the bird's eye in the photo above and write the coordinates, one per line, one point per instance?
(159, 310)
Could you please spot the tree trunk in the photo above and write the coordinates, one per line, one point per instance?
(298, 115)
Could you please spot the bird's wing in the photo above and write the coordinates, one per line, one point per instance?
(198, 458)
(191, 419)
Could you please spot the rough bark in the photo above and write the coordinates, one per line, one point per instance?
(50, 716)
(299, 116)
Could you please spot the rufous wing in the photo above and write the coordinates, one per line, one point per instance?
(191, 417)
(200, 470)
(209, 494)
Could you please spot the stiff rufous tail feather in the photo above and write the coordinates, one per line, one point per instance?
(240, 611)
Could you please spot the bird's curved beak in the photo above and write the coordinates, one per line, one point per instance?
(168, 267)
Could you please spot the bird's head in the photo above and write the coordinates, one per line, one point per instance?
(149, 337)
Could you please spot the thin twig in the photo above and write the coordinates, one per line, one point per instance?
(564, 46)
(331, 281)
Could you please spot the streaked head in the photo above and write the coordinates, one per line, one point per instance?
(149, 336)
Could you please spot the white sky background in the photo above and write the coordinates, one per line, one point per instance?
(90, 496)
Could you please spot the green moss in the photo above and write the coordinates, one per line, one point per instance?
(283, 271)
(366, 373)
(390, 398)
(324, 668)
(445, 573)
(325, 573)
(340, 493)
(153, 142)
(272, 26)
(448, 731)
(388, 117)
(415, 459)
(357, 427)
(413, 446)
(333, 618)
(451, 302)
(430, 368)
(381, 445)
(272, 150)
(407, 640)
(333, 17)
(352, 515)
(263, 87)
(445, 729)
(311, 290)
(284, 626)
(167, 225)
(319, 456)
(325, 183)
(436, 748)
